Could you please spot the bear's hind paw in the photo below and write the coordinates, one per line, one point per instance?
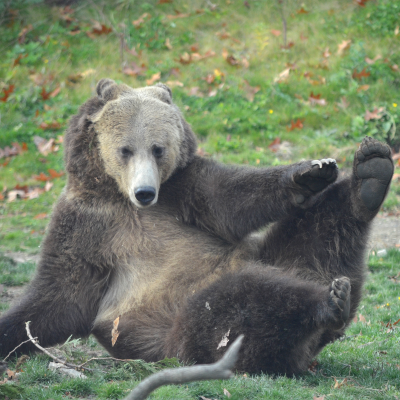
(339, 296)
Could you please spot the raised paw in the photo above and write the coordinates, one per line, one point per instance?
(340, 300)
(373, 167)
(319, 175)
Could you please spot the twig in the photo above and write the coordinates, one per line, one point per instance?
(219, 370)
(34, 341)
(105, 358)
(12, 351)
(367, 344)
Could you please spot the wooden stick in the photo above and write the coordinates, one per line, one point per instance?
(219, 370)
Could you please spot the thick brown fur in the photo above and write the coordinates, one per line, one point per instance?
(186, 269)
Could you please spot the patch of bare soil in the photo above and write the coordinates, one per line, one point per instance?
(385, 232)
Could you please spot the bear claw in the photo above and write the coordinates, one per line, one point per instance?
(374, 168)
(339, 294)
(321, 174)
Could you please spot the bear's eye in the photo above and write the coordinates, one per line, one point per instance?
(126, 152)
(158, 152)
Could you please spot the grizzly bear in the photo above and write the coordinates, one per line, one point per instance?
(150, 232)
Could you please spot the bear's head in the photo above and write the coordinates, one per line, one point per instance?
(138, 137)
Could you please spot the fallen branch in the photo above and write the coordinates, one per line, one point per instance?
(369, 343)
(12, 351)
(34, 341)
(219, 370)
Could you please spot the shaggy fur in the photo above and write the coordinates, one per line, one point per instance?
(187, 269)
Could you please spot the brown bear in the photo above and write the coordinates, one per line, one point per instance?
(149, 232)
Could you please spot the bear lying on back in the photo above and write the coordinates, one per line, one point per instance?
(148, 231)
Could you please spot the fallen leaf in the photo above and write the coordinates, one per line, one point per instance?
(343, 103)
(283, 76)
(225, 339)
(185, 58)
(361, 318)
(18, 59)
(295, 125)
(276, 32)
(54, 174)
(48, 185)
(345, 45)
(370, 62)
(362, 88)
(168, 44)
(326, 53)
(361, 2)
(98, 29)
(288, 45)
(226, 393)
(275, 145)
(7, 92)
(41, 177)
(155, 77)
(374, 114)
(394, 68)
(319, 398)
(114, 332)
(44, 146)
(22, 34)
(13, 194)
(338, 384)
(135, 70)
(361, 74)
(173, 84)
(50, 125)
(301, 11)
(177, 15)
(40, 216)
(316, 99)
(250, 90)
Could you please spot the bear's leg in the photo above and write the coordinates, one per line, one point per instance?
(55, 312)
(282, 319)
(329, 239)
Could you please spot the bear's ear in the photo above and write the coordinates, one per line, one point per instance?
(107, 89)
(166, 93)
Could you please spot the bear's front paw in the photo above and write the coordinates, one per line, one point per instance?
(318, 175)
(340, 301)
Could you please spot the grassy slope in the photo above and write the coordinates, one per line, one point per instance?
(230, 128)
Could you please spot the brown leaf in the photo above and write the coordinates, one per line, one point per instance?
(135, 70)
(185, 58)
(275, 145)
(288, 45)
(362, 88)
(114, 332)
(22, 34)
(361, 318)
(283, 76)
(374, 114)
(295, 125)
(155, 77)
(177, 15)
(345, 45)
(250, 90)
(301, 11)
(326, 53)
(226, 393)
(338, 384)
(98, 29)
(54, 174)
(168, 44)
(13, 194)
(361, 3)
(194, 48)
(50, 125)
(173, 84)
(370, 62)
(394, 68)
(275, 32)
(11, 374)
(319, 398)
(361, 74)
(44, 146)
(40, 216)
(18, 59)
(41, 177)
(343, 103)
(48, 185)
(7, 92)
(34, 193)
(316, 99)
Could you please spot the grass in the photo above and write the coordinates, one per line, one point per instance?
(237, 111)
(365, 364)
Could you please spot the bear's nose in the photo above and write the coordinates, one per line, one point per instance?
(145, 194)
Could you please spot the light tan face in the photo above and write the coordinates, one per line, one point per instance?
(140, 139)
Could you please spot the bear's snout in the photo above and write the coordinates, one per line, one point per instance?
(145, 194)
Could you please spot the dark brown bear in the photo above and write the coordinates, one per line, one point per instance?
(148, 231)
